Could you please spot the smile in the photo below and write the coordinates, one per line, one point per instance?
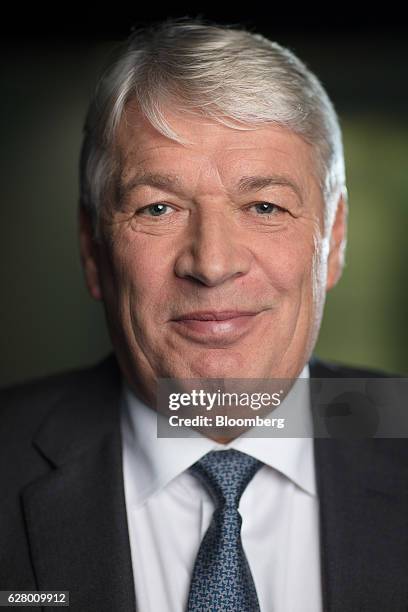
(222, 327)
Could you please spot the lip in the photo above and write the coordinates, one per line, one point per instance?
(214, 315)
(216, 327)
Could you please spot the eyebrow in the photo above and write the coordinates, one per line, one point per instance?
(256, 183)
(160, 181)
(173, 183)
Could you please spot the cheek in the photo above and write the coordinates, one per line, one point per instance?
(140, 271)
(288, 261)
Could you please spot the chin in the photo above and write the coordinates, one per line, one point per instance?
(222, 364)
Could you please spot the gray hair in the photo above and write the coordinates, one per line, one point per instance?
(230, 75)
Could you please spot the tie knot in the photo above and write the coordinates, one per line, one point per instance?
(226, 474)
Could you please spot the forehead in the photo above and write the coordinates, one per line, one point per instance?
(212, 148)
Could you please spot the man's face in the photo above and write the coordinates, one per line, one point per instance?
(212, 261)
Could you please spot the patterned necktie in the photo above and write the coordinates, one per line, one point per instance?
(222, 580)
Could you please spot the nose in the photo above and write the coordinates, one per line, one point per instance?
(214, 251)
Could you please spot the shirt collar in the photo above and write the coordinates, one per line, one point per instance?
(154, 461)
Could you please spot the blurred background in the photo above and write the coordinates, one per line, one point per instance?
(50, 66)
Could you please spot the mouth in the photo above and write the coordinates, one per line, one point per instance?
(216, 327)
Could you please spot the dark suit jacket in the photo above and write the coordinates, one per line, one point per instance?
(62, 508)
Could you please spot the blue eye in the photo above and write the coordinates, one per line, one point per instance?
(266, 208)
(156, 210)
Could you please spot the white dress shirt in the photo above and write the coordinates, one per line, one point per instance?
(169, 511)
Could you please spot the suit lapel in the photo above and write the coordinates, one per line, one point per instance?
(362, 488)
(76, 514)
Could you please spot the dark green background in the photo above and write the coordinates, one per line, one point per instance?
(48, 323)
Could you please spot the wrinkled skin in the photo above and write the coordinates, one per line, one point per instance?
(207, 246)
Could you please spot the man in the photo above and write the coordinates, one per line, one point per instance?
(212, 222)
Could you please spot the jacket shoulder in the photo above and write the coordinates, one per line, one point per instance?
(321, 368)
(24, 405)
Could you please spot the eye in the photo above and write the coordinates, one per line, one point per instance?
(156, 210)
(267, 208)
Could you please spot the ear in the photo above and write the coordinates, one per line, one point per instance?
(89, 250)
(338, 239)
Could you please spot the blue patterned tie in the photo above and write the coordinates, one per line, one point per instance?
(222, 580)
